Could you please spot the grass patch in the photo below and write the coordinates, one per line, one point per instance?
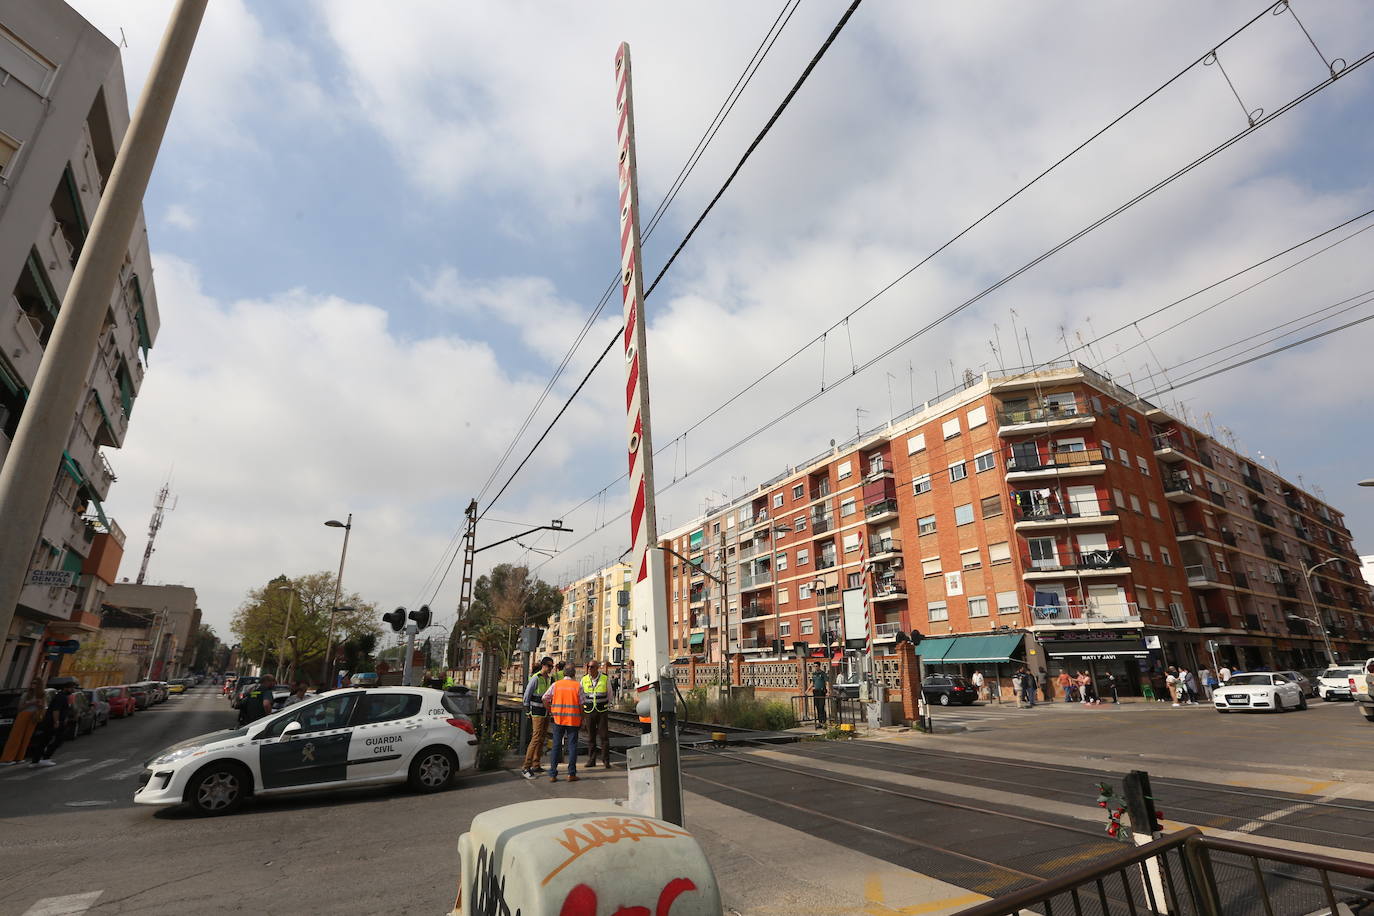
(739, 711)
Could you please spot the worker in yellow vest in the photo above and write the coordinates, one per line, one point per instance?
(564, 702)
(596, 703)
(538, 685)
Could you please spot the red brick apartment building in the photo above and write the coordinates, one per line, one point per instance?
(1048, 518)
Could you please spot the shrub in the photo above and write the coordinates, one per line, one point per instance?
(492, 747)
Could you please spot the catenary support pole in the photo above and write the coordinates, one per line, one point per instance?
(27, 475)
(655, 780)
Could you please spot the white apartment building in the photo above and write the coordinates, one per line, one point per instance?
(63, 113)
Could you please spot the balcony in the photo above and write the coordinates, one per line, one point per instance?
(756, 581)
(1228, 538)
(1110, 562)
(822, 523)
(1167, 448)
(1187, 532)
(1293, 501)
(1217, 498)
(1303, 532)
(1274, 553)
(1264, 518)
(1080, 513)
(754, 549)
(752, 611)
(880, 511)
(1093, 613)
(889, 590)
(1023, 464)
(1215, 619)
(820, 490)
(753, 644)
(1203, 576)
(1253, 483)
(885, 632)
(1241, 580)
(883, 548)
(825, 562)
(877, 469)
(1178, 488)
(1019, 421)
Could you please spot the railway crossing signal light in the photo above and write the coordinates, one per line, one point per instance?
(397, 619)
(423, 617)
(56, 648)
(617, 656)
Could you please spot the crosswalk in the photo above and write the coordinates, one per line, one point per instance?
(67, 905)
(75, 768)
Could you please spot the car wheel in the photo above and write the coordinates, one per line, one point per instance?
(944, 699)
(432, 769)
(217, 789)
(1302, 702)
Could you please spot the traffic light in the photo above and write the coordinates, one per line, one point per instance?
(397, 619)
(530, 638)
(777, 647)
(423, 617)
(617, 656)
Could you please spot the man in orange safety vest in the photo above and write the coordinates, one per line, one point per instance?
(564, 702)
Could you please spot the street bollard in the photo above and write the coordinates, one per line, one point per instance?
(581, 857)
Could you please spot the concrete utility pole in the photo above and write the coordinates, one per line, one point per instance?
(655, 779)
(27, 475)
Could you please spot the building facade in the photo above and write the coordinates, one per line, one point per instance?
(592, 622)
(1054, 515)
(63, 113)
(166, 618)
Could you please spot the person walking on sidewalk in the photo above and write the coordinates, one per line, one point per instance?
(564, 702)
(1208, 681)
(1189, 683)
(820, 688)
(977, 682)
(1111, 689)
(30, 714)
(53, 731)
(1065, 687)
(538, 685)
(596, 703)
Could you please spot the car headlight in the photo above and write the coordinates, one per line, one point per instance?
(177, 755)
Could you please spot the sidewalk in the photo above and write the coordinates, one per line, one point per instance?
(766, 868)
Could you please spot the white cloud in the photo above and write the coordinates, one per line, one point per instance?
(181, 217)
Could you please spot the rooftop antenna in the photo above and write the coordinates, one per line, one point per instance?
(1015, 335)
(858, 418)
(1230, 438)
(155, 524)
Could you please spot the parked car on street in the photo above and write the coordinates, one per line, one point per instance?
(100, 709)
(81, 718)
(121, 700)
(1266, 691)
(143, 698)
(948, 688)
(346, 738)
(241, 689)
(1334, 683)
(175, 687)
(1306, 684)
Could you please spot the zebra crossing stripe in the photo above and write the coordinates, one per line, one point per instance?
(98, 765)
(126, 773)
(30, 772)
(70, 905)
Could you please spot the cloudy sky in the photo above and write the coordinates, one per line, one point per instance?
(376, 235)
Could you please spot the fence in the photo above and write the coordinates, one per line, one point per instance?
(1190, 874)
(838, 710)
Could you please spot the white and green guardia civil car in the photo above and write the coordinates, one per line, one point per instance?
(344, 738)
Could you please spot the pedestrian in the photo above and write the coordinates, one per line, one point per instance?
(1159, 686)
(1028, 688)
(258, 702)
(1175, 685)
(1111, 689)
(298, 693)
(1223, 674)
(1369, 679)
(564, 701)
(1206, 680)
(30, 714)
(820, 689)
(53, 728)
(1088, 689)
(538, 685)
(1190, 688)
(596, 703)
(1065, 686)
(977, 681)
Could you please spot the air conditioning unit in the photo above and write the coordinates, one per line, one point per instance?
(896, 563)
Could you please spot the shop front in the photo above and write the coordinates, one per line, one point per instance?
(1120, 653)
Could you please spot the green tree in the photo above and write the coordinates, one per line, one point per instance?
(207, 644)
(502, 601)
(261, 622)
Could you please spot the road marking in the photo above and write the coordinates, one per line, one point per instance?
(30, 772)
(126, 773)
(70, 905)
(98, 765)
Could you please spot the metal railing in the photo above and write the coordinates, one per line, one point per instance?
(838, 710)
(883, 507)
(889, 589)
(1048, 511)
(1026, 461)
(761, 578)
(1091, 612)
(1043, 414)
(877, 545)
(821, 523)
(1201, 573)
(883, 630)
(1177, 483)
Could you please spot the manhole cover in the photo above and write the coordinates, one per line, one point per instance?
(87, 804)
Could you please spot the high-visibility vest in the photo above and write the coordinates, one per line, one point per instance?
(541, 687)
(598, 693)
(566, 708)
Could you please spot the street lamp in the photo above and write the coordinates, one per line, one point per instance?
(1316, 609)
(291, 671)
(1367, 482)
(338, 585)
(290, 602)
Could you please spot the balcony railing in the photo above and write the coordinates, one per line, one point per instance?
(825, 562)
(1042, 414)
(1228, 537)
(1253, 483)
(877, 545)
(821, 490)
(1241, 580)
(1202, 573)
(1112, 558)
(1265, 518)
(883, 507)
(1218, 498)
(1177, 483)
(750, 611)
(1045, 512)
(1091, 612)
(877, 468)
(1166, 440)
(889, 588)
(822, 523)
(757, 579)
(884, 630)
(1206, 460)
(1292, 501)
(1060, 460)
(1274, 553)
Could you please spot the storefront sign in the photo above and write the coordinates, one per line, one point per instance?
(1092, 636)
(52, 578)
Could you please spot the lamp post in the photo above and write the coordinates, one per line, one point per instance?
(1367, 482)
(291, 670)
(1316, 609)
(338, 586)
(290, 602)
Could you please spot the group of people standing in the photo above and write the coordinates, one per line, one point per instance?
(1184, 687)
(566, 703)
(40, 726)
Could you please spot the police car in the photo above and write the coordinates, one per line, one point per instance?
(344, 738)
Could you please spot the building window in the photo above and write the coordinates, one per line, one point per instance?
(963, 515)
(916, 443)
(798, 490)
(1144, 467)
(992, 505)
(1135, 502)
(847, 507)
(926, 525)
(984, 462)
(845, 469)
(1125, 457)
(803, 591)
(937, 610)
(1132, 424)
(1008, 603)
(1115, 413)
(8, 148)
(803, 557)
(976, 417)
(799, 523)
(24, 63)
(853, 580)
(807, 627)
(999, 552)
(1106, 449)
(780, 562)
(978, 607)
(850, 542)
(920, 485)
(950, 428)
(785, 628)
(970, 559)
(1165, 557)
(958, 471)
(1120, 500)
(783, 597)
(1147, 551)
(1154, 509)
(930, 567)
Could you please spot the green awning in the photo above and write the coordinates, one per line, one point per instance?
(695, 539)
(100, 512)
(40, 280)
(985, 649)
(698, 639)
(105, 414)
(11, 381)
(73, 562)
(933, 650)
(69, 181)
(71, 467)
